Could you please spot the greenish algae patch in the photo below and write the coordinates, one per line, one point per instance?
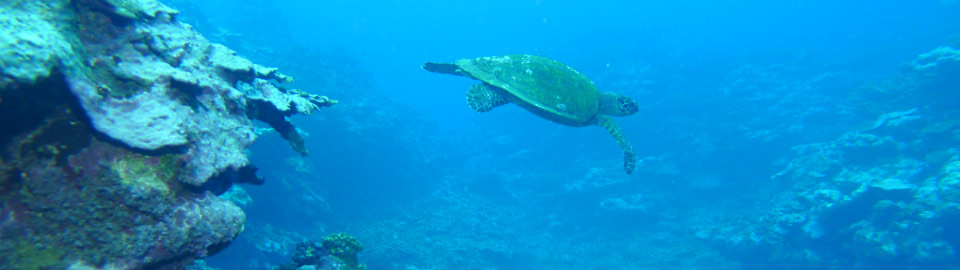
(151, 173)
(27, 255)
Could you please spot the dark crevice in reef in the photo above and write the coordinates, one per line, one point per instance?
(9, 183)
(221, 182)
(187, 93)
(234, 76)
(44, 111)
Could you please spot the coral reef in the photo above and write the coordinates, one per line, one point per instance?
(344, 247)
(200, 265)
(155, 83)
(936, 59)
(336, 252)
(880, 197)
(880, 212)
(935, 74)
(126, 125)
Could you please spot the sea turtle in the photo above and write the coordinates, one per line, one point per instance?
(546, 88)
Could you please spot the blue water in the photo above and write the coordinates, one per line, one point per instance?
(728, 91)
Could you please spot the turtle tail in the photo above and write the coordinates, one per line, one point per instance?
(629, 158)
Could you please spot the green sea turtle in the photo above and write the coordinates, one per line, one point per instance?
(546, 88)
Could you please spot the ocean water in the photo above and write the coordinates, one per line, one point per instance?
(770, 135)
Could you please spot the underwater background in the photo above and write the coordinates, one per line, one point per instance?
(771, 135)
(736, 99)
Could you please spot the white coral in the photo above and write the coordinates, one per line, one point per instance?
(30, 44)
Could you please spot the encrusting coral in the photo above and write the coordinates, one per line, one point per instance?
(121, 126)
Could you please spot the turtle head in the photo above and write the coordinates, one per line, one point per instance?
(617, 105)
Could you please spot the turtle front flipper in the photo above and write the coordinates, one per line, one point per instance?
(483, 98)
(629, 159)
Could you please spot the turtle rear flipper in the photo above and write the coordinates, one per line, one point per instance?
(443, 68)
(482, 98)
(629, 159)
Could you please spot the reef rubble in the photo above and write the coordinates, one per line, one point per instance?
(121, 126)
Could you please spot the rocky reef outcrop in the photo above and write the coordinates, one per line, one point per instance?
(121, 125)
(883, 196)
(336, 252)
